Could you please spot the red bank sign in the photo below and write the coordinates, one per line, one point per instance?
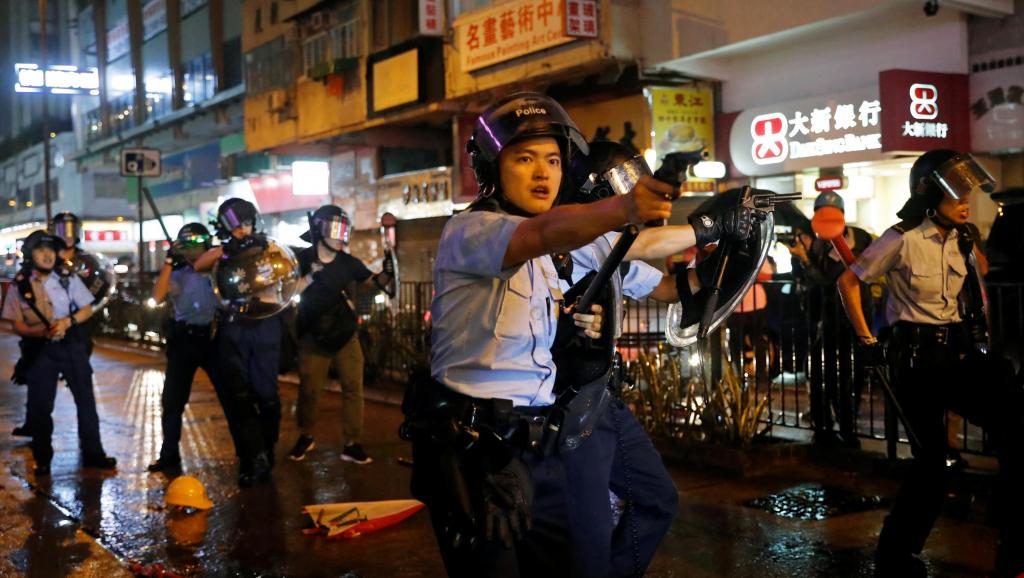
(924, 110)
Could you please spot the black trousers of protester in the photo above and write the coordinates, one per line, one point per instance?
(189, 348)
(930, 378)
(249, 352)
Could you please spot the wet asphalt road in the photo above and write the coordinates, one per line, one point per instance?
(89, 524)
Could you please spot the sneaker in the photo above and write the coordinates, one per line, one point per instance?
(303, 446)
(354, 453)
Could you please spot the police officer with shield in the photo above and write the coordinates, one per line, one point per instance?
(48, 311)
(189, 339)
(327, 328)
(248, 350)
(938, 357)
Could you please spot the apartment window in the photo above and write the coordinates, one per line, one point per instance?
(345, 39)
(394, 22)
(273, 12)
(270, 66)
(315, 51)
(258, 24)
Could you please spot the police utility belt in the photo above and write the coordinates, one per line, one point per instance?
(435, 412)
(952, 335)
(185, 329)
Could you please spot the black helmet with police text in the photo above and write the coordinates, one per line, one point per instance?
(943, 172)
(192, 235)
(67, 227)
(829, 199)
(328, 222)
(234, 213)
(516, 117)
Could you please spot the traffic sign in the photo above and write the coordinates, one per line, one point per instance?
(140, 163)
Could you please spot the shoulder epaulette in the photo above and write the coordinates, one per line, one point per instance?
(906, 225)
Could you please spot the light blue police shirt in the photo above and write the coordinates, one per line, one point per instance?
(493, 328)
(61, 298)
(192, 296)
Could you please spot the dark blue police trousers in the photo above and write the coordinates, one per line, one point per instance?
(68, 357)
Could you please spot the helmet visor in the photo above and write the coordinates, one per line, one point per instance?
(192, 240)
(231, 218)
(336, 228)
(961, 175)
(66, 230)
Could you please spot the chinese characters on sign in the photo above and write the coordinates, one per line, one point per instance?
(581, 18)
(431, 17)
(507, 31)
(683, 121)
(56, 79)
(772, 132)
(923, 111)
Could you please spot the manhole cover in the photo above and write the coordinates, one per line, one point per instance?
(815, 502)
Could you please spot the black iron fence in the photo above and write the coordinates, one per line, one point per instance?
(790, 347)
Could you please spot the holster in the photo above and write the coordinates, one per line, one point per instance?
(572, 419)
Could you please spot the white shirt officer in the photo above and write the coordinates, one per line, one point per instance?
(924, 270)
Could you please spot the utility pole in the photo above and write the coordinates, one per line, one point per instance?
(46, 113)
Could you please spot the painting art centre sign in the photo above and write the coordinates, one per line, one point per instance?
(509, 30)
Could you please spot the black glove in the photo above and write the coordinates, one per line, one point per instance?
(507, 500)
(871, 353)
(235, 246)
(175, 259)
(388, 266)
(733, 224)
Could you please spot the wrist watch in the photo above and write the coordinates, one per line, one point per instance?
(73, 320)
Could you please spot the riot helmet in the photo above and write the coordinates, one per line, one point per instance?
(943, 172)
(588, 174)
(328, 222)
(191, 236)
(234, 213)
(830, 199)
(40, 240)
(67, 227)
(515, 117)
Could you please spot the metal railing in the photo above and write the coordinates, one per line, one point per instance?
(794, 351)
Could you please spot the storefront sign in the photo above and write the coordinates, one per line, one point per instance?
(507, 31)
(923, 111)
(417, 194)
(829, 184)
(808, 133)
(396, 80)
(431, 18)
(581, 18)
(56, 79)
(187, 170)
(683, 120)
(997, 107)
(91, 235)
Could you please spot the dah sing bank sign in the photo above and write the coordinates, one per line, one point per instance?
(815, 132)
(909, 111)
(924, 110)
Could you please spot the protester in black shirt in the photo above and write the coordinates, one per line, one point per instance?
(326, 327)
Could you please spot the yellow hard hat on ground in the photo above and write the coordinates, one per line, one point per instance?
(187, 492)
